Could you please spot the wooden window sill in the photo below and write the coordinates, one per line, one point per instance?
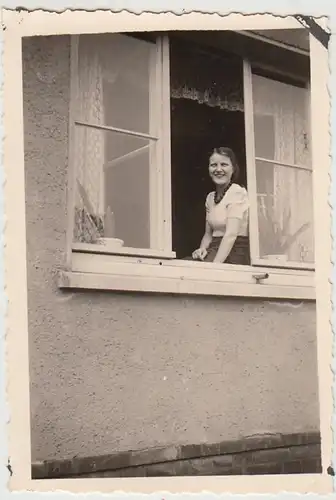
(106, 272)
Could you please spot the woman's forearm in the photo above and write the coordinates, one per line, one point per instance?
(225, 247)
(206, 240)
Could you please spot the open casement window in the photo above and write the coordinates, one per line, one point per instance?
(121, 160)
(146, 111)
(279, 172)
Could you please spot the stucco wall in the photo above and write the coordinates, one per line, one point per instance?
(113, 371)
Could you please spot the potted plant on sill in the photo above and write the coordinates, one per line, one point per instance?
(276, 236)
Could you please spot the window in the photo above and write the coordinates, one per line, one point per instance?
(280, 174)
(146, 112)
(119, 146)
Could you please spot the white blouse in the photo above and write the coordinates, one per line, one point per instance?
(233, 205)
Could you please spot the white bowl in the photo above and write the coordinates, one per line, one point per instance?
(112, 244)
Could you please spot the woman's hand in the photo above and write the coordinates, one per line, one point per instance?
(199, 254)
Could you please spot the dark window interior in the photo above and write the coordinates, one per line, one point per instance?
(197, 128)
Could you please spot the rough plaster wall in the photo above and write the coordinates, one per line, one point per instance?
(112, 371)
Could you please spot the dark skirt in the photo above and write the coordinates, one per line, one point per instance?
(239, 255)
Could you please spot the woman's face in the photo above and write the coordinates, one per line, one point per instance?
(220, 169)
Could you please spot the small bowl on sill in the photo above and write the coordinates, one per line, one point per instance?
(111, 244)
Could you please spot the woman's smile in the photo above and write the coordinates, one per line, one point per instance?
(220, 177)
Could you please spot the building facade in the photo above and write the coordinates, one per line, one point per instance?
(117, 370)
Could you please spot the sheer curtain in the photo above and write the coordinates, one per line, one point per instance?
(89, 142)
(288, 223)
(112, 168)
(194, 76)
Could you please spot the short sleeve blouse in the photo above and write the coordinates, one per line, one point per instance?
(233, 205)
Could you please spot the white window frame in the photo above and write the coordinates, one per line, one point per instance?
(159, 137)
(90, 266)
(252, 179)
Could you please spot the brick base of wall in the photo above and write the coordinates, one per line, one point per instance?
(262, 454)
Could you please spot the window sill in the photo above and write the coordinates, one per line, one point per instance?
(131, 251)
(104, 272)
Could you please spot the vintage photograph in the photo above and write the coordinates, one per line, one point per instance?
(233, 386)
(171, 197)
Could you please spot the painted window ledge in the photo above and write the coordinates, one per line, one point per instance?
(101, 272)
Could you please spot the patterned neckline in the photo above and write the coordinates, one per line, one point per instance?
(218, 197)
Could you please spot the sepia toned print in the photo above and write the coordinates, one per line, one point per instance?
(171, 254)
(116, 152)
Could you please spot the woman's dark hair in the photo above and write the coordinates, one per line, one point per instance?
(230, 154)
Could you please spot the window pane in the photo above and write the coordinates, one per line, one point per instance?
(281, 121)
(281, 125)
(116, 88)
(120, 145)
(285, 219)
(127, 192)
(115, 81)
(112, 188)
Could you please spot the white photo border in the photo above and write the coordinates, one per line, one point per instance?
(20, 24)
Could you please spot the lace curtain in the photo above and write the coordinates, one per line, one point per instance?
(286, 198)
(201, 76)
(89, 144)
(112, 90)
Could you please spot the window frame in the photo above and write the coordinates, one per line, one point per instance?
(251, 161)
(91, 266)
(159, 177)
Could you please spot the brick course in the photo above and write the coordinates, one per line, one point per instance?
(262, 454)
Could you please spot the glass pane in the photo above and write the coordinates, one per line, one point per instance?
(112, 189)
(115, 81)
(285, 219)
(119, 145)
(127, 195)
(281, 121)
